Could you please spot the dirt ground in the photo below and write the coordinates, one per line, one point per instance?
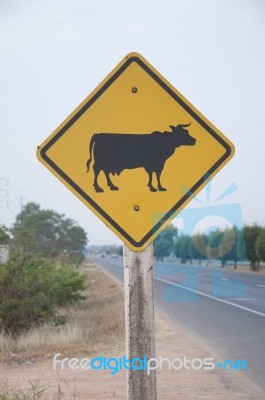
(172, 341)
(244, 268)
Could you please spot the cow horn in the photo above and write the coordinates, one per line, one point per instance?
(172, 127)
(183, 125)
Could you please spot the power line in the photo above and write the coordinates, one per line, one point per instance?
(10, 198)
(14, 195)
(1, 203)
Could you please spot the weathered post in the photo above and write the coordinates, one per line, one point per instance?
(139, 320)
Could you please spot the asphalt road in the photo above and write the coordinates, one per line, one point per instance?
(226, 309)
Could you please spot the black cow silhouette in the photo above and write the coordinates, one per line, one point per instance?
(114, 152)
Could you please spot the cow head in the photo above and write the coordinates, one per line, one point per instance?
(182, 136)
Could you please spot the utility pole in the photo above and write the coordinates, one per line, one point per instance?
(4, 192)
(139, 320)
(22, 198)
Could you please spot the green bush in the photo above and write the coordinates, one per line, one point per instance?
(33, 289)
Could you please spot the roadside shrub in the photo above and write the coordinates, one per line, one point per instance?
(33, 289)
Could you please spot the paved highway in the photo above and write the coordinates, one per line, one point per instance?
(226, 309)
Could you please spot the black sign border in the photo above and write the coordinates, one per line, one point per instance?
(90, 201)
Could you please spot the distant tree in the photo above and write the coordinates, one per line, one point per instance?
(110, 249)
(241, 245)
(227, 247)
(215, 239)
(233, 247)
(226, 244)
(164, 243)
(184, 248)
(260, 245)
(4, 235)
(120, 250)
(198, 247)
(49, 233)
(251, 234)
(162, 249)
(222, 245)
(176, 247)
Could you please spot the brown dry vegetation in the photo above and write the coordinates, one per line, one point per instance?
(245, 268)
(95, 323)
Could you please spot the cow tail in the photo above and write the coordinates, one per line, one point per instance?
(92, 142)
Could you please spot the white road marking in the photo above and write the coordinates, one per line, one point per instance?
(242, 298)
(212, 297)
(225, 279)
(260, 285)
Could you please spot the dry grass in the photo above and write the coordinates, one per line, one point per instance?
(245, 268)
(33, 391)
(97, 323)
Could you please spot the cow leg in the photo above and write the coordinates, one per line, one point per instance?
(109, 182)
(98, 189)
(160, 187)
(152, 189)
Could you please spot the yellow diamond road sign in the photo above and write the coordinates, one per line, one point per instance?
(135, 151)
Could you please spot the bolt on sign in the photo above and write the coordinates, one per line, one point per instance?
(135, 151)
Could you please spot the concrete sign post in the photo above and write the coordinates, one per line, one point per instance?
(136, 152)
(139, 320)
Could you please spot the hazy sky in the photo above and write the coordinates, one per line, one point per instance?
(53, 53)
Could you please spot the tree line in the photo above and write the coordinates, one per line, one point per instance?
(41, 276)
(229, 244)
